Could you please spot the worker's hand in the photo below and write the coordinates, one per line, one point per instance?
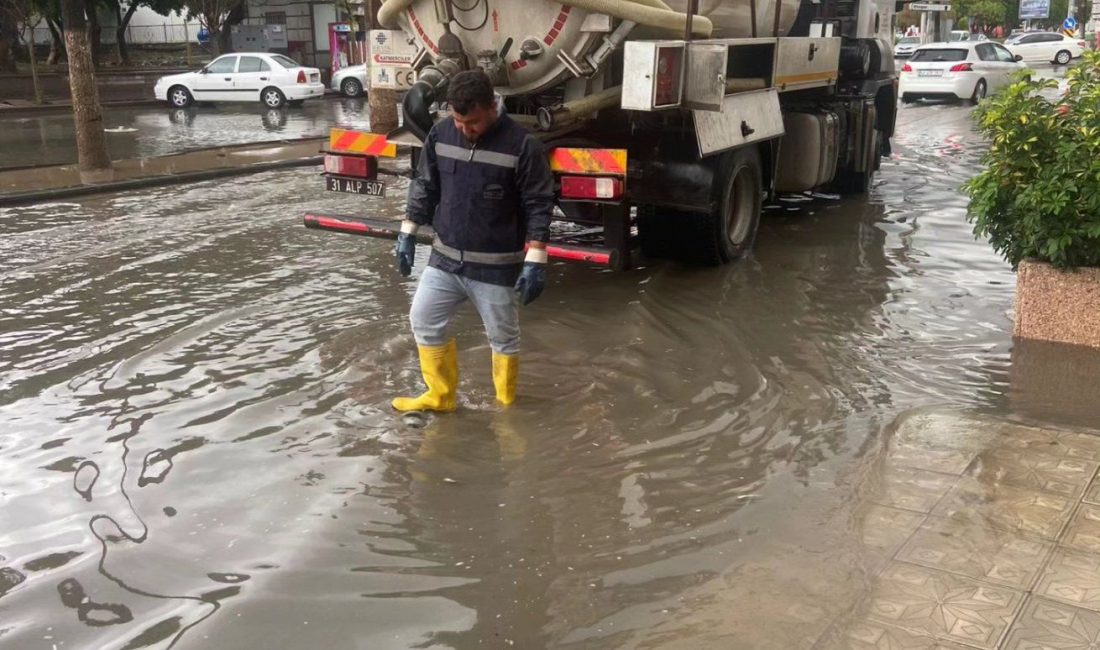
(531, 282)
(406, 252)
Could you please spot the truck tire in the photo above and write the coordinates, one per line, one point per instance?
(727, 234)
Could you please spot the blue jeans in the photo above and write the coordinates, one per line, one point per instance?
(437, 299)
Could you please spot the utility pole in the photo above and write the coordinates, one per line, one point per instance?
(91, 145)
(382, 101)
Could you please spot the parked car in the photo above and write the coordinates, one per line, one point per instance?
(964, 70)
(350, 81)
(906, 45)
(273, 79)
(1043, 47)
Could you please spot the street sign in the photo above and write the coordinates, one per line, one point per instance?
(1069, 24)
(929, 6)
(390, 47)
(1034, 9)
(392, 77)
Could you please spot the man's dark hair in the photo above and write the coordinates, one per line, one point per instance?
(468, 89)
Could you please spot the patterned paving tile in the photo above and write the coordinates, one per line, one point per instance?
(1045, 441)
(1067, 477)
(1092, 495)
(978, 551)
(910, 489)
(945, 431)
(1084, 530)
(947, 461)
(1046, 625)
(884, 530)
(942, 605)
(869, 635)
(1007, 507)
(1072, 577)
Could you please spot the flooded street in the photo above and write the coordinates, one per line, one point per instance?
(199, 450)
(145, 131)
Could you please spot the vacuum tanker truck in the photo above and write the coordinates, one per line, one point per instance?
(668, 122)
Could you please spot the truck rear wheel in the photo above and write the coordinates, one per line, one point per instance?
(727, 234)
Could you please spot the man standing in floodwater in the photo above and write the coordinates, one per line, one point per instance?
(484, 184)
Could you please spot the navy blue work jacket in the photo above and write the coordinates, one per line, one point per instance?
(484, 200)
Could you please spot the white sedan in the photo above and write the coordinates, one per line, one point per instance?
(906, 45)
(965, 70)
(1044, 47)
(273, 79)
(350, 81)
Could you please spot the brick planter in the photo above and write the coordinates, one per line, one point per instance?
(1062, 306)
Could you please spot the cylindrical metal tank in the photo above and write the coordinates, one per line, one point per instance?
(541, 30)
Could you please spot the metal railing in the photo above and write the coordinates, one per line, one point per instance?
(164, 33)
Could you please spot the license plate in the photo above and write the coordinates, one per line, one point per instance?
(355, 186)
(930, 73)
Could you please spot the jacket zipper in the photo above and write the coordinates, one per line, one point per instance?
(465, 231)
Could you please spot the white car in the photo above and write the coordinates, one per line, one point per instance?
(350, 81)
(1043, 47)
(958, 35)
(964, 70)
(273, 79)
(906, 45)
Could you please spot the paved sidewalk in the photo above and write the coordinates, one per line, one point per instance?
(981, 533)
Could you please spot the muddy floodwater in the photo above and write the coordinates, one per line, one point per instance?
(157, 130)
(197, 448)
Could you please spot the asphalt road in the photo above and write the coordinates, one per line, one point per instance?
(145, 131)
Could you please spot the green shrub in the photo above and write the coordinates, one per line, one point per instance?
(1039, 194)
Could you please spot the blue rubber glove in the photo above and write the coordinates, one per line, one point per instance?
(406, 252)
(531, 282)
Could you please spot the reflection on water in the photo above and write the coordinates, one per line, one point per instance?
(142, 132)
(200, 450)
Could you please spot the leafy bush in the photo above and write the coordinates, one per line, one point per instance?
(1039, 195)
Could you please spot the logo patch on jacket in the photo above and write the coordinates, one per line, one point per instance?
(493, 192)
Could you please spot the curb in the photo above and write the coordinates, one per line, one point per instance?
(8, 200)
(21, 111)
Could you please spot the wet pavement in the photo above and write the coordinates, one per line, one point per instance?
(28, 184)
(797, 451)
(145, 131)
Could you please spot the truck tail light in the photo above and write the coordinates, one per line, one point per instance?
(353, 166)
(301, 76)
(1082, 45)
(962, 67)
(593, 188)
(907, 68)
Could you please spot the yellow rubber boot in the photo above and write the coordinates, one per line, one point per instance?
(439, 365)
(505, 374)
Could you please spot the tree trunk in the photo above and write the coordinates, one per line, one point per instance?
(9, 37)
(234, 17)
(57, 43)
(215, 39)
(122, 48)
(382, 102)
(91, 146)
(34, 67)
(95, 32)
(383, 109)
(120, 34)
